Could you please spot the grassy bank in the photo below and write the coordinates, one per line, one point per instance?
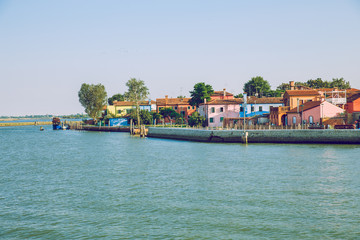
(11, 124)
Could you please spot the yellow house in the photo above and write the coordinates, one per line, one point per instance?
(119, 109)
(122, 108)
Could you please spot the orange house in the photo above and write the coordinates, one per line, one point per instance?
(353, 103)
(292, 99)
(180, 105)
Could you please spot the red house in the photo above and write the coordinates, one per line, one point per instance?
(353, 103)
(180, 105)
(222, 95)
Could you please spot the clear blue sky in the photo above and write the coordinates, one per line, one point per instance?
(49, 48)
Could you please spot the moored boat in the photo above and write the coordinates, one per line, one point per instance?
(58, 125)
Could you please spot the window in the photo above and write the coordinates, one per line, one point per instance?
(311, 119)
(260, 108)
(212, 109)
(182, 113)
(211, 120)
(221, 119)
(118, 111)
(252, 109)
(193, 107)
(294, 120)
(221, 109)
(188, 107)
(175, 108)
(241, 109)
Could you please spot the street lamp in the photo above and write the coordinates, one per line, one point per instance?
(244, 106)
(302, 109)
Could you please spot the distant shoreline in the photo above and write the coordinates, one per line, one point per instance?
(35, 123)
(20, 118)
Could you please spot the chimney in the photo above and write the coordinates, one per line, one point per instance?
(292, 85)
(166, 99)
(224, 92)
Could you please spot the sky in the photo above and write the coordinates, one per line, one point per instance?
(48, 48)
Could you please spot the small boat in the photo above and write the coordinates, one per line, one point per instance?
(58, 125)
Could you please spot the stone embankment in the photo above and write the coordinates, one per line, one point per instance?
(78, 126)
(329, 136)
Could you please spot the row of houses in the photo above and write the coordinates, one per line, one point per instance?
(296, 106)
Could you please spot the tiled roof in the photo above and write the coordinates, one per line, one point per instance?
(251, 100)
(254, 100)
(327, 89)
(224, 101)
(302, 92)
(172, 101)
(129, 103)
(353, 97)
(221, 93)
(307, 106)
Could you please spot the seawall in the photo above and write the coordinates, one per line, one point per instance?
(259, 136)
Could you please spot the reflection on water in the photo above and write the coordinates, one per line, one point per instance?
(70, 184)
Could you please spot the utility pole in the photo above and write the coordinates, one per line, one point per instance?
(244, 107)
(302, 110)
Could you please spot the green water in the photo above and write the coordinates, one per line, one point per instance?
(90, 185)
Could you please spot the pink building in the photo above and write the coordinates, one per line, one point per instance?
(217, 109)
(312, 112)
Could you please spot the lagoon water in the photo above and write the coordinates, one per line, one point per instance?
(90, 185)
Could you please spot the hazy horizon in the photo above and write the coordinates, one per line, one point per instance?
(49, 48)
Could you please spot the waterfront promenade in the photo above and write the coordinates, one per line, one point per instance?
(331, 136)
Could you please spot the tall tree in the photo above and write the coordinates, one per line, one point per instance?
(137, 92)
(256, 86)
(92, 98)
(145, 116)
(201, 91)
(116, 97)
(318, 83)
(340, 83)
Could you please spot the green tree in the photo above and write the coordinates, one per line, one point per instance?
(196, 120)
(117, 97)
(340, 83)
(239, 95)
(92, 98)
(137, 92)
(169, 113)
(283, 86)
(145, 116)
(318, 83)
(256, 86)
(156, 116)
(201, 91)
(274, 93)
(181, 96)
